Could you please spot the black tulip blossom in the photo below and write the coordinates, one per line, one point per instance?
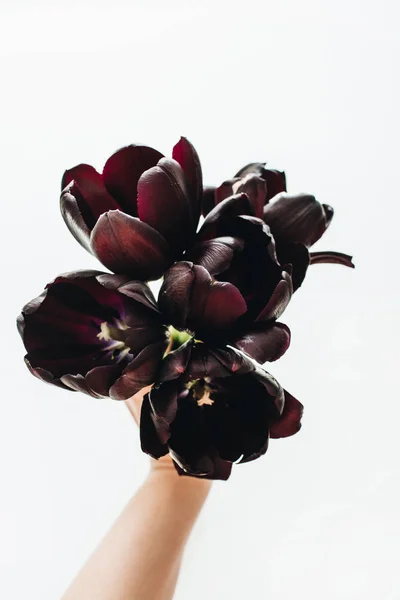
(93, 332)
(141, 213)
(296, 221)
(297, 218)
(231, 288)
(211, 408)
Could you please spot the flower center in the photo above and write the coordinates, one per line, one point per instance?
(201, 392)
(177, 338)
(115, 337)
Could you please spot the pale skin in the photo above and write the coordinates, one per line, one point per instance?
(140, 556)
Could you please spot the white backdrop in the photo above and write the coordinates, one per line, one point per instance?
(313, 88)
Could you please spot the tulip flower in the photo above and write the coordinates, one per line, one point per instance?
(231, 289)
(297, 218)
(93, 332)
(141, 213)
(296, 221)
(211, 408)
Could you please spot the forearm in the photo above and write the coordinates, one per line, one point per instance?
(140, 556)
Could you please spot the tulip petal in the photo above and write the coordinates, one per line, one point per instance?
(66, 321)
(221, 469)
(221, 303)
(123, 170)
(100, 379)
(139, 373)
(207, 363)
(260, 452)
(273, 388)
(225, 190)
(139, 337)
(137, 290)
(215, 255)
(175, 293)
(93, 199)
(275, 180)
(185, 154)
(175, 363)
(78, 383)
(290, 420)
(45, 375)
(296, 255)
(208, 201)
(328, 212)
(227, 209)
(140, 292)
(126, 245)
(81, 275)
(67, 358)
(297, 218)
(70, 205)
(164, 405)
(265, 342)
(256, 189)
(68, 315)
(214, 195)
(279, 300)
(190, 298)
(234, 361)
(164, 204)
(200, 465)
(331, 257)
(239, 426)
(82, 292)
(189, 444)
(149, 440)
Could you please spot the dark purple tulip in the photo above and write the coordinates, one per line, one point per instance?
(297, 218)
(296, 221)
(231, 289)
(214, 407)
(141, 213)
(93, 332)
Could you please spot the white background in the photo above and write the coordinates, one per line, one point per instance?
(310, 86)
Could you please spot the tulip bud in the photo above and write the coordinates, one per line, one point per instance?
(297, 218)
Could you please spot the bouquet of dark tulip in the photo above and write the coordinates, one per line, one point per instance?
(201, 345)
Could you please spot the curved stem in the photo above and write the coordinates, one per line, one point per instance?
(331, 257)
